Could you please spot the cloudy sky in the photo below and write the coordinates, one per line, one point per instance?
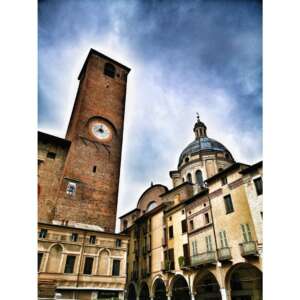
(185, 56)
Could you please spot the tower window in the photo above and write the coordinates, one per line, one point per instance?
(71, 189)
(109, 70)
(51, 155)
(191, 225)
(228, 204)
(189, 177)
(186, 159)
(94, 169)
(258, 186)
(125, 224)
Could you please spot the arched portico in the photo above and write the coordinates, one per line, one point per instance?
(159, 289)
(144, 292)
(179, 288)
(244, 282)
(131, 295)
(206, 287)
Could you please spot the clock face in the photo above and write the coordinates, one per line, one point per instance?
(101, 130)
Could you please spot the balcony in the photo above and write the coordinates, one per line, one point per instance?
(167, 266)
(224, 254)
(184, 262)
(204, 258)
(249, 249)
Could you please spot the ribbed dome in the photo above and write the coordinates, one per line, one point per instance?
(203, 144)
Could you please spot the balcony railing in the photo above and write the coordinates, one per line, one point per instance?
(224, 254)
(204, 258)
(167, 266)
(184, 262)
(248, 249)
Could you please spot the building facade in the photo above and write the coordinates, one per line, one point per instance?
(79, 255)
(202, 239)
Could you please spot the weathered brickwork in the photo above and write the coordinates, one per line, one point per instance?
(91, 164)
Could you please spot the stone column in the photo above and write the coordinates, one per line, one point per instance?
(225, 294)
(169, 297)
(192, 297)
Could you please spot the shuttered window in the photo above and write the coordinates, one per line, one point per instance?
(258, 186)
(246, 232)
(208, 243)
(228, 204)
(223, 239)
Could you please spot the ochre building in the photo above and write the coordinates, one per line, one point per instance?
(79, 255)
(201, 239)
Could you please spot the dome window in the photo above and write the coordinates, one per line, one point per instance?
(151, 205)
(186, 159)
(199, 177)
(189, 177)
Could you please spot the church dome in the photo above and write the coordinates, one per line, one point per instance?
(203, 143)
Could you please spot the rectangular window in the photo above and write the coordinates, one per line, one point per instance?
(191, 224)
(88, 265)
(223, 239)
(246, 232)
(224, 180)
(43, 233)
(71, 189)
(228, 204)
(206, 218)
(51, 155)
(118, 243)
(40, 257)
(171, 235)
(183, 226)
(194, 247)
(258, 186)
(116, 267)
(171, 258)
(92, 239)
(70, 262)
(74, 237)
(208, 243)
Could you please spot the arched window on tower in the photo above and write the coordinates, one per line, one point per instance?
(189, 177)
(199, 177)
(109, 70)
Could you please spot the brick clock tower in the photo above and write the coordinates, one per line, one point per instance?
(88, 190)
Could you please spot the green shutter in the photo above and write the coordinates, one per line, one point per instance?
(249, 232)
(244, 233)
(225, 239)
(221, 238)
